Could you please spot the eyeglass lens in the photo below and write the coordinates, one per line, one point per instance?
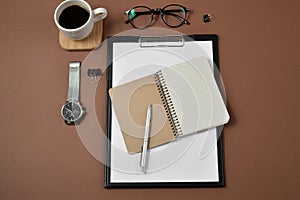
(174, 15)
(140, 17)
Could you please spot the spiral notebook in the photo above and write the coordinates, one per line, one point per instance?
(185, 100)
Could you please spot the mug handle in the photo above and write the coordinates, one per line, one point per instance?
(99, 14)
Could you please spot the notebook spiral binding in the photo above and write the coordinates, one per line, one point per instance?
(167, 103)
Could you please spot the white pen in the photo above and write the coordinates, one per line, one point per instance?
(143, 161)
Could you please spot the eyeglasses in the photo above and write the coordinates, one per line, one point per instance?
(173, 15)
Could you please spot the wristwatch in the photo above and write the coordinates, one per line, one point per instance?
(72, 110)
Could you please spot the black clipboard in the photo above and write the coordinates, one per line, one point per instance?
(107, 172)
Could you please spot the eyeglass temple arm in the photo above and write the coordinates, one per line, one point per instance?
(178, 17)
(177, 10)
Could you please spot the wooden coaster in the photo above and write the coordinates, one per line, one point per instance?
(91, 42)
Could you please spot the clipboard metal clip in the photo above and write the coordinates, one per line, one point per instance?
(162, 41)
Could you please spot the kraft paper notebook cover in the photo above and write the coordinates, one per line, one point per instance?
(130, 101)
(185, 99)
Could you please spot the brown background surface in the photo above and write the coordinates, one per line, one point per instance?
(41, 158)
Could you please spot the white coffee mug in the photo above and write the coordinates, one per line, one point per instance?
(84, 30)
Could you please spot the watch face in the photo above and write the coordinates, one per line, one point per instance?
(71, 111)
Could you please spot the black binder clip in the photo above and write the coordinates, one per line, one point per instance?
(207, 18)
(94, 74)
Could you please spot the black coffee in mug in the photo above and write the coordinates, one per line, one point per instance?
(73, 17)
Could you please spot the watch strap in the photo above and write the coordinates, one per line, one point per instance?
(69, 122)
(74, 81)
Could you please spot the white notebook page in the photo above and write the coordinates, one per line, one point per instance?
(195, 95)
